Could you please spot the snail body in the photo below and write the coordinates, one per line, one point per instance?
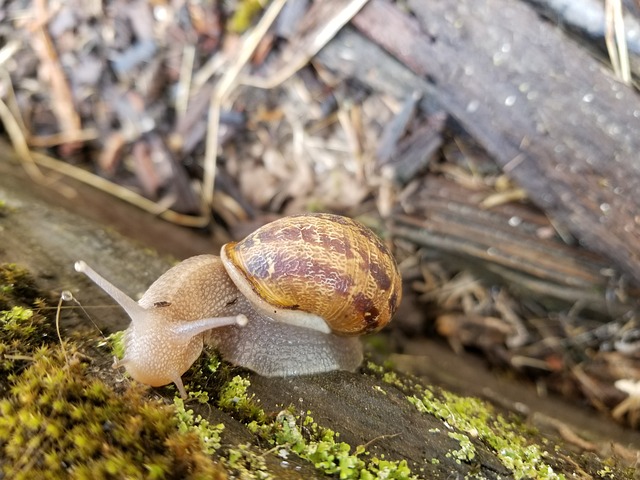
(289, 299)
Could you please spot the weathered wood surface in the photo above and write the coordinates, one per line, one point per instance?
(48, 239)
(512, 241)
(551, 115)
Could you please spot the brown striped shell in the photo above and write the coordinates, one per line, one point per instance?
(327, 265)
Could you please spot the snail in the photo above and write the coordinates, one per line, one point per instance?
(290, 299)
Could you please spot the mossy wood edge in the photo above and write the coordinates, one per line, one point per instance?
(365, 425)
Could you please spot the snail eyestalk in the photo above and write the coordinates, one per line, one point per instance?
(130, 306)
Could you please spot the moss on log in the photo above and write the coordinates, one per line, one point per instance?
(375, 423)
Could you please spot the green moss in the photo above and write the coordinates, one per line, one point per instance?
(319, 445)
(209, 435)
(23, 328)
(606, 472)
(58, 422)
(245, 463)
(17, 322)
(479, 420)
(234, 397)
(115, 343)
(467, 451)
(17, 287)
(304, 437)
(244, 14)
(389, 376)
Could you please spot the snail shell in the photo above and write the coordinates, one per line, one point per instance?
(303, 268)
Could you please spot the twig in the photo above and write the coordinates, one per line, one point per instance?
(352, 132)
(68, 136)
(328, 30)
(8, 50)
(61, 93)
(224, 87)
(184, 84)
(208, 70)
(616, 40)
(18, 357)
(19, 143)
(500, 198)
(118, 191)
(380, 437)
(12, 101)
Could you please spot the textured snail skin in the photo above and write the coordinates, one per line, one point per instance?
(329, 266)
(179, 297)
(350, 277)
(276, 349)
(167, 324)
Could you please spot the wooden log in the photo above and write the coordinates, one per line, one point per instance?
(513, 241)
(366, 407)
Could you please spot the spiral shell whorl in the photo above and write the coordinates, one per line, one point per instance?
(324, 264)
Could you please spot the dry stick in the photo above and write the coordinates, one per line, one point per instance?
(224, 87)
(501, 198)
(380, 437)
(609, 40)
(206, 71)
(119, 191)
(326, 33)
(14, 124)
(12, 101)
(68, 136)
(353, 134)
(8, 50)
(61, 93)
(616, 40)
(231, 79)
(184, 84)
(621, 41)
(19, 143)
